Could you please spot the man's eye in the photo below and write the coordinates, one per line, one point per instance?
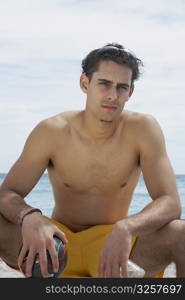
(123, 87)
(104, 83)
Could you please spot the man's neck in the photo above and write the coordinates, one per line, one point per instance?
(98, 131)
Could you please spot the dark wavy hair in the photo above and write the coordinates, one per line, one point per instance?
(114, 52)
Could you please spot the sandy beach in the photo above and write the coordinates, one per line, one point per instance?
(7, 272)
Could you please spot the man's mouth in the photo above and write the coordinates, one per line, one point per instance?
(109, 107)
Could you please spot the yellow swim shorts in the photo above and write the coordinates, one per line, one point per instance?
(84, 249)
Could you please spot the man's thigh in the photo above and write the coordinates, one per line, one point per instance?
(153, 252)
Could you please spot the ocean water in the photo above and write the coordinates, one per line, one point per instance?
(41, 196)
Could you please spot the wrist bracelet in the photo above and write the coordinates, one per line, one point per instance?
(29, 212)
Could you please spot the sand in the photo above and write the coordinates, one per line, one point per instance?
(7, 272)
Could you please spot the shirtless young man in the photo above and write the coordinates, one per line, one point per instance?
(94, 158)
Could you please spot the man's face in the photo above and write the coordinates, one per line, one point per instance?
(109, 89)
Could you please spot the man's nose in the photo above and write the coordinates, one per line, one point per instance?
(113, 94)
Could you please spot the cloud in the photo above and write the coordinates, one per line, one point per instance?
(45, 30)
(43, 42)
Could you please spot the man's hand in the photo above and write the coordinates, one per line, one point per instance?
(37, 235)
(115, 253)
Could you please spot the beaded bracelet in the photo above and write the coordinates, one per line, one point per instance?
(29, 212)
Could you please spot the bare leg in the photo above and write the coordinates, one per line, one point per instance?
(10, 242)
(155, 251)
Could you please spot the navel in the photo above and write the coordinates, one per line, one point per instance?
(67, 185)
(123, 185)
(50, 164)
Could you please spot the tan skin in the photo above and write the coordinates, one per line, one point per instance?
(109, 147)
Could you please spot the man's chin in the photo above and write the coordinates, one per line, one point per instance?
(107, 121)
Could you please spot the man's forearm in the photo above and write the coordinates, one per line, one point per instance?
(12, 206)
(154, 216)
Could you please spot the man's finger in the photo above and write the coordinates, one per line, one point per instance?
(22, 255)
(29, 262)
(124, 270)
(43, 262)
(107, 270)
(101, 268)
(115, 270)
(54, 258)
(61, 235)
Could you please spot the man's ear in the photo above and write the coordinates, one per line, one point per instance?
(84, 83)
(131, 90)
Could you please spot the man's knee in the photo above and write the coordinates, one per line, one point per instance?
(10, 238)
(3, 228)
(175, 229)
(175, 236)
(165, 240)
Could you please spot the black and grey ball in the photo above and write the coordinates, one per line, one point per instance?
(62, 257)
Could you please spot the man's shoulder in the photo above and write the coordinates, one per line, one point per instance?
(145, 129)
(59, 122)
(140, 122)
(138, 118)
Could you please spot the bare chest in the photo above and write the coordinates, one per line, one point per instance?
(96, 169)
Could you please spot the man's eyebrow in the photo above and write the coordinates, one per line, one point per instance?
(105, 80)
(109, 81)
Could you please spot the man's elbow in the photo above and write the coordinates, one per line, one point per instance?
(6, 193)
(179, 211)
(177, 208)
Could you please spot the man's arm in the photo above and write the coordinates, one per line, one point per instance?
(24, 175)
(161, 185)
(37, 232)
(159, 179)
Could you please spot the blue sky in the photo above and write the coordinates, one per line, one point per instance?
(42, 43)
